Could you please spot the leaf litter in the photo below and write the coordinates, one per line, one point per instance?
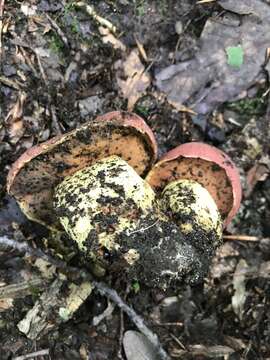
(85, 75)
(210, 79)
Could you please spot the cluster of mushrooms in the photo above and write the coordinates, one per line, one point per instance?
(160, 223)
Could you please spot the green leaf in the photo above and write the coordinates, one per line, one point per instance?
(235, 55)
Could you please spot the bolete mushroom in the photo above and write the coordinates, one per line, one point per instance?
(200, 190)
(90, 183)
(34, 176)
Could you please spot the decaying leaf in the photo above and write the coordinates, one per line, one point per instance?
(208, 79)
(132, 78)
(137, 347)
(108, 37)
(6, 304)
(239, 284)
(56, 305)
(258, 172)
(14, 119)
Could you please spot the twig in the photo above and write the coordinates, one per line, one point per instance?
(32, 355)
(11, 83)
(121, 335)
(141, 49)
(106, 313)
(101, 287)
(19, 290)
(182, 346)
(58, 30)
(137, 320)
(2, 4)
(25, 248)
(28, 61)
(122, 326)
(177, 323)
(55, 122)
(241, 237)
(43, 74)
(92, 12)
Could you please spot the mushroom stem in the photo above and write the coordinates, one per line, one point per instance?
(103, 203)
(194, 210)
(114, 217)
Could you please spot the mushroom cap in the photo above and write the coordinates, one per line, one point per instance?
(207, 165)
(32, 178)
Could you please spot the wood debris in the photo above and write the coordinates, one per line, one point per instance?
(132, 78)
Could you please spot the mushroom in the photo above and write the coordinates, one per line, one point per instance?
(33, 177)
(90, 183)
(200, 190)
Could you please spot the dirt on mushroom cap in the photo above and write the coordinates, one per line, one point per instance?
(34, 175)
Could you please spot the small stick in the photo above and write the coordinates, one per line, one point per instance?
(13, 84)
(120, 341)
(32, 355)
(43, 74)
(28, 61)
(137, 320)
(92, 12)
(2, 4)
(101, 287)
(19, 290)
(178, 323)
(58, 30)
(55, 122)
(241, 238)
(25, 248)
(141, 49)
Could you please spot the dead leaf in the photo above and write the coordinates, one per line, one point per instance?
(14, 119)
(239, 284)
(259, 172)
(109, 38)
(207, 80)
(132, 78)
(5, 304)
(137, 347)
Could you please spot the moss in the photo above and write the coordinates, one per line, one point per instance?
(249, 107)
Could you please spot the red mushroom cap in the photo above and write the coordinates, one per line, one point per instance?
(32, 178)
(207, 165)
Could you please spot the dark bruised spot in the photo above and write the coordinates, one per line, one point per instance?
(215, 168)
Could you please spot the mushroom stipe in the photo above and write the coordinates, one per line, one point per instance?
(162, 230)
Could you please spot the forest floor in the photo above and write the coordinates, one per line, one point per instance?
(62, 65)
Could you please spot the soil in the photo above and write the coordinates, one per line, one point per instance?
(68, 84)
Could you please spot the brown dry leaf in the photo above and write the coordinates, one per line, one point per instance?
(5, 304)
(14, 119)
(258, 172)
(108, 37)
(132, 78)
(239, 284)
